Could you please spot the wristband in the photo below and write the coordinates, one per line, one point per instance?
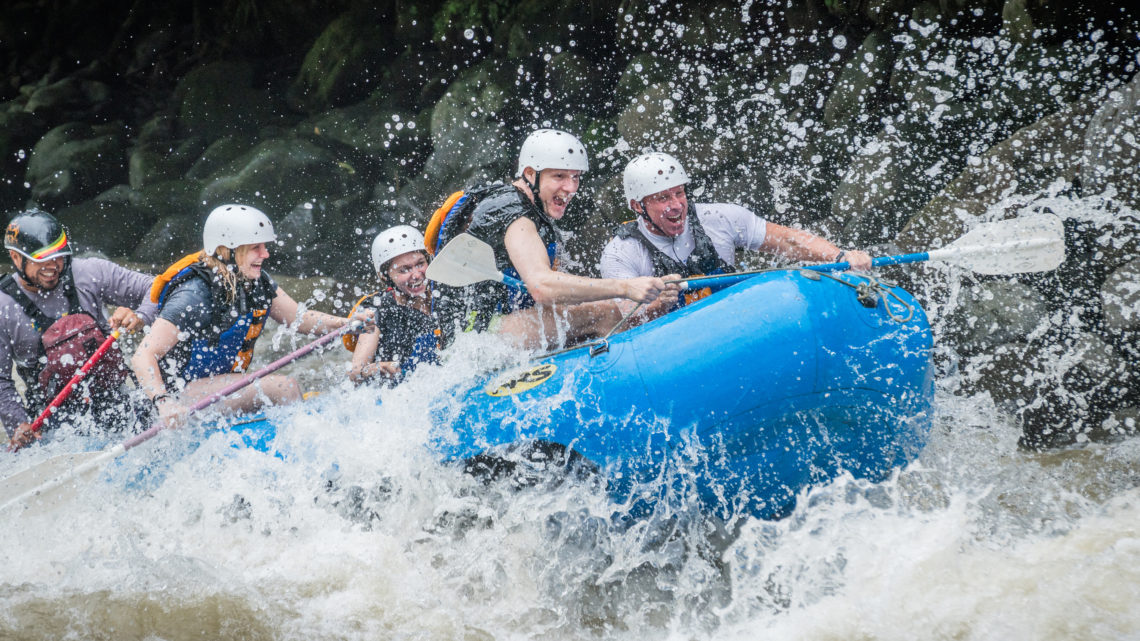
(160, 397)
(839, 256)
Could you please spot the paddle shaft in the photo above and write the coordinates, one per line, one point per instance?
(237, 385)
(66, 391)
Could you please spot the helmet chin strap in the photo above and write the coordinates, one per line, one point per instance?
(644, 215)
(534, 189)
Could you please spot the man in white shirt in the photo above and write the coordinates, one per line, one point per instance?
(673, 236)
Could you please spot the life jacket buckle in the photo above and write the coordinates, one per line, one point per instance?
(599, 348)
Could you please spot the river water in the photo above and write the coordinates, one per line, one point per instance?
(358, 532)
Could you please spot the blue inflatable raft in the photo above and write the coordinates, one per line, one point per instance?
(785, 380)
(739, 401)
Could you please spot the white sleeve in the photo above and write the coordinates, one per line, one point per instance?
(625, 258)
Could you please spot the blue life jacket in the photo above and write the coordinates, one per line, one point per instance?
(236, 325)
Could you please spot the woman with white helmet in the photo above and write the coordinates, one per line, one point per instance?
(519, 221)
(213, 305)
(406, 333)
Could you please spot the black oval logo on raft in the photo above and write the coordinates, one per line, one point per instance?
(517, 382)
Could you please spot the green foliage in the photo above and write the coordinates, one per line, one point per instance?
(455, 16)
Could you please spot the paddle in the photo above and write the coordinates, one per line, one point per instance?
(1023, 245)
(55, 472)
(466, 260)
(66, 391)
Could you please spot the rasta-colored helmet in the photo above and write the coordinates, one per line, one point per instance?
(37, 236)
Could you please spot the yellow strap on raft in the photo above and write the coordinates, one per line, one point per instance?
(349, 340)
(163, 279)
(431, 234)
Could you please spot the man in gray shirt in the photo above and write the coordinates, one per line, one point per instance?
(46, 286)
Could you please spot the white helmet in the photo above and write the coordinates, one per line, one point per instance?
(650, 173)
(236, 225)
(395, 241)
(552, 149)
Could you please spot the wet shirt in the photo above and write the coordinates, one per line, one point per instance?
(473, 307)
(193, 308)
(403, 331)
(97, 283)
(728, 226)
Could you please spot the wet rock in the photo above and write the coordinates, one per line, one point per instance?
(113, 222)
(1111, 150)
(281, 173)
(1120, 300)
(993, 313)
(1081, 380)
(219, 155)
(75, 161)
(575, 83)
(71, 98)
(157, 161)
(171, 238)
(1122, 422)
(467, 126)
(376, 127)
(862, 87)
(650, 118)
(1029, 161)
(220, 99)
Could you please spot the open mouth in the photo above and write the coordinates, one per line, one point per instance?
(562, 201)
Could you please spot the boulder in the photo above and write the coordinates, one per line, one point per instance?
(113, 222)
(219, 156)
(471, 126)
(157, 161)
(220, 98)
(75, 161)
(1026, 162)
(279, 174)
(69, 99)
(1120, 301)
(993, 313)
(856, 100)
(168, 240)
(1111, 150)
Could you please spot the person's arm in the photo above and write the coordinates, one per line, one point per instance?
(799, 245)
(546, 286)
(161, 338)
(285, 310)
(363, 367)
(17, 423)
(129, 290)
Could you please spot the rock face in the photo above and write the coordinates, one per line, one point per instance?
(899, 123)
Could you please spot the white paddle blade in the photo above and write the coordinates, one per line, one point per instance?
(53, 481)
(1024, 245)
(464, 261)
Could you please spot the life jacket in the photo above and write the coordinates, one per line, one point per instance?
(66, 343)
(486, 214)
(704, 261)
(453, 216)
(236, 325)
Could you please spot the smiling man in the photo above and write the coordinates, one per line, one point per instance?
(52, 319)
(674, 236)
(519, 221)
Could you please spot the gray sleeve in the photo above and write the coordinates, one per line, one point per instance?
(123, 287)
(12, 411)
(188, 306)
